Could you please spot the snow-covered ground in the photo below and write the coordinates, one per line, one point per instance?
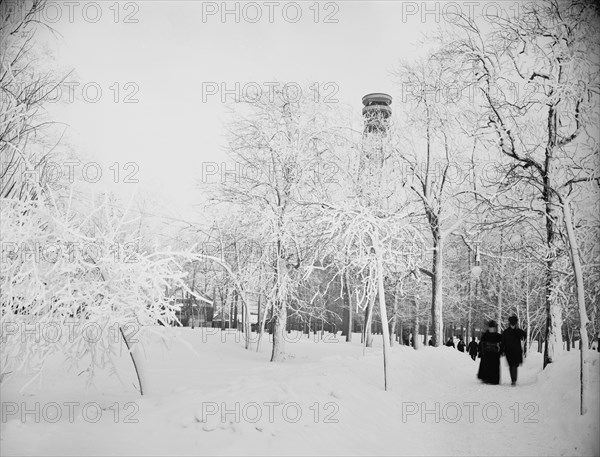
(208, 397)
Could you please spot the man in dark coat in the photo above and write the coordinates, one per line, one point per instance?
(511, 347)
(450, 342)
(489, 351)
(473, 348)
(461, 345)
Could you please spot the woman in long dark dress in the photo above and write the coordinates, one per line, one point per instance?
(489, 351)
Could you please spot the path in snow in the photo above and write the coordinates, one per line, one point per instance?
(326, 399)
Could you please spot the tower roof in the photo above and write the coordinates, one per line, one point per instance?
(377, 98)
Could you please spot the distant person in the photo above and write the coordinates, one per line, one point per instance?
(430, 341)
(512, 347)
(473, 348)
(461, 345)
(489, 351)
(450, 342)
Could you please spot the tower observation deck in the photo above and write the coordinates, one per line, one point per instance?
(376, 112)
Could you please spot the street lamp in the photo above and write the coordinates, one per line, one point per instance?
(476, 270)
(475, 273)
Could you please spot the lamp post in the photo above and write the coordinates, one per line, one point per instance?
(475, 273)
(476, 270)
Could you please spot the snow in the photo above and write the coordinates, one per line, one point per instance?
(201, 371)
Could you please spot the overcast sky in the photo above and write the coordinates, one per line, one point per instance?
(177, 46)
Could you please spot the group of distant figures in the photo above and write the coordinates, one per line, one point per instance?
(491, 347)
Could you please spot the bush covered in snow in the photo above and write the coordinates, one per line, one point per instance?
(77, 283)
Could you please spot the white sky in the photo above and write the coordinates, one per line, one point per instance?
(171, 51)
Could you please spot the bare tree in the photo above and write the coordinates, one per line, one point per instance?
(431, 155)
(373, 241)
(278, 143)
(25, 140)
(537, 80)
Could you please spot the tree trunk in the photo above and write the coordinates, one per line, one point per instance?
(369, 322)
(345, 306)
(469, 316)
(258, 316)
(346, 300)
(501, 282)
(553, 343)
(436, 292)
(137, 357)
(231, 310)
(261, 325)
(416, 343)
(394, 317)
(384, 319)
(235, 309)
(246, 325)
(583, 318)
(322, 330)
(278, 354)
(223, 305)
(527, 315)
